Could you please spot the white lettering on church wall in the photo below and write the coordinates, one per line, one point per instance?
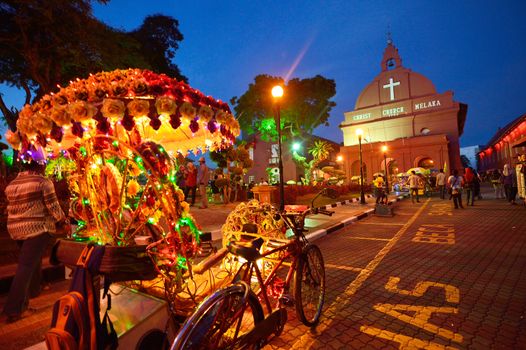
(361, 116)
(427, 104)
(392, 111)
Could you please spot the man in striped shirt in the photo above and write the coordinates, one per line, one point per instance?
(33, 211)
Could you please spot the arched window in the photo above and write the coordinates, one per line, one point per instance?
(392, 166)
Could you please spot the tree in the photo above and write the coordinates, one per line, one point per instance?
(305, 105)
(239, 156)
(159, 36)
(234, 154)
(48, 43)
(319, 151)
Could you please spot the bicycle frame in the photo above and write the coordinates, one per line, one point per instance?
(292, 251)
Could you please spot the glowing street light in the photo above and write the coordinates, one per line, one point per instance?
(339, 158)
(384, 149)
(296, 146)
(277, 93)
(359, 133)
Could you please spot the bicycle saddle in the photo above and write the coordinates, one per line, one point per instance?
(247, 250)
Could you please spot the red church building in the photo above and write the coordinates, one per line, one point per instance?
(402, 110)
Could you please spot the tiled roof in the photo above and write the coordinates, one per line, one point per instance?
(503, 131)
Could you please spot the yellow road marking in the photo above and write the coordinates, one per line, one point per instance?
(452, 292)
(371, 238)
(343, 267)
(440, 209)
(435, 233)
(421, 317)
(342, 300)
(406, 343)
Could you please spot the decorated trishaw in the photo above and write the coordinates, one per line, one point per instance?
(115, 137)
(425, 187)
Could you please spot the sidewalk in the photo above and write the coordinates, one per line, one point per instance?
(212, 219)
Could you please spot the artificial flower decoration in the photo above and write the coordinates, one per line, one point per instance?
(205, 114)
(133, 188)
(138, 108)
(60, 116)
(80, 111)
(113, 109)
(180, 118)
(165, 105)
(42, 123)
(187, 110)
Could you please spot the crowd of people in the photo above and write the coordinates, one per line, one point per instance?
(503, 181)
(204, 182)
(190, 178)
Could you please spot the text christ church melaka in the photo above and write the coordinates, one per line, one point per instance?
(402, 110)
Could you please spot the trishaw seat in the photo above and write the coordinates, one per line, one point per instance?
(248, 250)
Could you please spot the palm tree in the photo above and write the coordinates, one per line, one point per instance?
(319, 151)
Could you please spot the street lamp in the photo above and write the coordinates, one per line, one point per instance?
(359, 133)
(339, 160)
(296, 146)
(277, 93)
(384, 149)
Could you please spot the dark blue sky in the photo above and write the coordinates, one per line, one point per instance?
(475, 48)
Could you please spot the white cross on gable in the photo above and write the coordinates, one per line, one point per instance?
(391, 86)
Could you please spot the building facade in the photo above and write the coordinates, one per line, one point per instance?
(402, 110)
(265, 157)
(505, 146)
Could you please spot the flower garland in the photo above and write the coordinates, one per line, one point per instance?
(105, 101)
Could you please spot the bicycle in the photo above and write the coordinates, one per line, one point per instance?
(233, 317)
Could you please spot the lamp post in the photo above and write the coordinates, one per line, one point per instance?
(384, 149)
(277, 93)
(359, 133)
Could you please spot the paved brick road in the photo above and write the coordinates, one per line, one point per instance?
(430, 278)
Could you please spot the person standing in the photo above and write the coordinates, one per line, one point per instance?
(414, 183)
(33, 212)
(476, 184)
(510, 183)
(379, 188)
(455, 182)
(190, 182)
(469, 185)
(180, 177)
(441, 183)
(496, 181)
(203, 177)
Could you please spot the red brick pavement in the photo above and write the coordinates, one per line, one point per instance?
(387, 289)
(485, 264)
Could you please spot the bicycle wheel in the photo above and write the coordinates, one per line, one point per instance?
(309, 285)
(220, 320)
